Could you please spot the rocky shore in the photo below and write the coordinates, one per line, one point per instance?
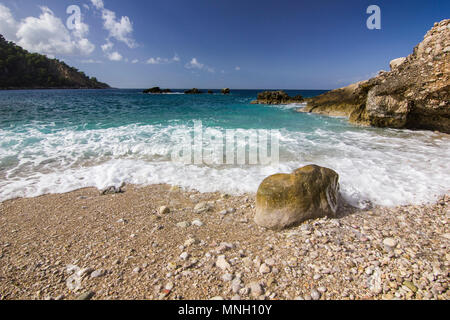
(415, 94)
(161, 242)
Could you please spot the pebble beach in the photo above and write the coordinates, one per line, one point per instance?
(161, 242)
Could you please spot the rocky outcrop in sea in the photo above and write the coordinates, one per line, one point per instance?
(277, 97)
(157, 90)
(415, 94)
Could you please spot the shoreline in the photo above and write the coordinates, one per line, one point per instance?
(127, 249)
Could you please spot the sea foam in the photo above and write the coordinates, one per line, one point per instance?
(382, 167)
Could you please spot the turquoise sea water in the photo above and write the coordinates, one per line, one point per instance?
(61, 140)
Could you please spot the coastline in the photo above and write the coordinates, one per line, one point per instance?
(132, 251)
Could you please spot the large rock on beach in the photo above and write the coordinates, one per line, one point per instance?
(285, 200)
(226, 91)
(415, 94)
(277, 97)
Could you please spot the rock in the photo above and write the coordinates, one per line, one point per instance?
(264, 268)
(256, 289)
(222, 263)
(189, 242)
(315, 295)
(156, 90)
(169, 286)
(410, 286)
(183, 224)
(210, 92)
(113, 190)
(216, 298)
(390, 243)
(86, 295)
(202, 207)
(396, 63)
(137, 270)
(226, 91)
(184, 256)
(284, 200)
(227, 277)
(236, 285)
(164, 210)
(193, 91)
(98, 273)
(236, 297)
(277, 97)
(197, 223)
(413, 95)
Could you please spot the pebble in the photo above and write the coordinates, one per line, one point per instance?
(255, 289)
(390, 243)
(264, 268)
(184, 256)
(164, 210)
(315, 295)
(222, 263)
(202, 207)
(183, 224)
(86, 295)
(169, 286)
(137, 270)
(197, 223)
(98, 273)
(227, 277)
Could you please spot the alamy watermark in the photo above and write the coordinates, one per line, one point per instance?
(210, 146)
(374, 21)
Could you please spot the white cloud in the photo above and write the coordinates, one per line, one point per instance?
(195, 64)
(46, 34)
(159, 60)
(237, 68)
(114, 56)
(8, 25)
(135, 61)
(86, 6)
(98, 4)
(119, 29)
(107, 46)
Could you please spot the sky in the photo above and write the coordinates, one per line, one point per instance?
(245, 44)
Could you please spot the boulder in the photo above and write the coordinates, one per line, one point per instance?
(276, 97)
(157, 90)
(193, 91)
(285, 200)
(226, 91)
(210, 92)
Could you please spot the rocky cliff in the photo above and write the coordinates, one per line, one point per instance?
(415, 94)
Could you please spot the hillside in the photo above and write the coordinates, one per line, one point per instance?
(20, 69)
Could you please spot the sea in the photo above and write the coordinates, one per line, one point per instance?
(56, 141)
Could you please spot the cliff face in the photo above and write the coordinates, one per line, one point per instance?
(415, 94)
(20, 69)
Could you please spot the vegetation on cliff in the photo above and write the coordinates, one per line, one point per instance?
(20, 69)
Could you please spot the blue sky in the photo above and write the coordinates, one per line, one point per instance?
(216, 43)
